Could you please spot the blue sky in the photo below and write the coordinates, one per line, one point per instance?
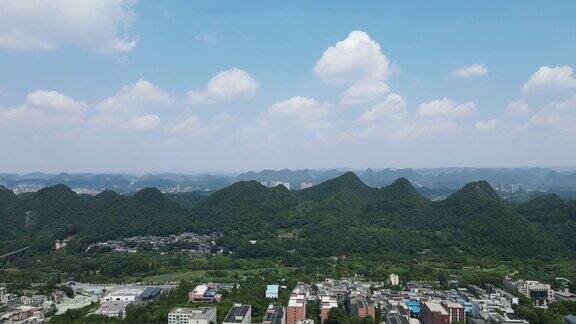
(107, 86)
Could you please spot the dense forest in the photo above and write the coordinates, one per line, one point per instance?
(338, 218)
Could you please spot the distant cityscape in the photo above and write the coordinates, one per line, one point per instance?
(504, 180)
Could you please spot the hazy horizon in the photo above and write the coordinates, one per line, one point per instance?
(219, 87)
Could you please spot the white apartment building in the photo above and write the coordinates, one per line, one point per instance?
(394, 279)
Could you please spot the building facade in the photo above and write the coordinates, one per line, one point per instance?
(296, 310)
(200, 315)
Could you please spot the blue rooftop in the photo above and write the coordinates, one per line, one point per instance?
(414, 306)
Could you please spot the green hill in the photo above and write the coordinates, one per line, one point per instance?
(341, 216)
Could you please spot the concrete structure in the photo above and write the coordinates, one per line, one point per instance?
(239, 313)
(113, 308)
(275, 315)
(305, 185)
(185, 315)
(274, 183)
(456, 311)
(564, 296)
(327, 303)
(362, 307)
(394, 279)
(129, 295)
(540, 293)
(204, 294)
(434, 313)
(272, 291)
(296, 310)
(570, 319)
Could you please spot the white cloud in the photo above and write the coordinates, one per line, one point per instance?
(143, 123)
(445, 108)
(556, 115)
(189, 125)
(518, 107)
(470, 71)
(391, 120)
(550, 78)
(97, 25)
(225, 86)
(130, 108)
(393, 109)
(355, 59)
(302, 111)
(363, 93)
(488, 126)
(43, 109)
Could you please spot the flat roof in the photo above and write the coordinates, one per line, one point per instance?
(274, 315)
(238, 310)
(195, 313)
(435, 307)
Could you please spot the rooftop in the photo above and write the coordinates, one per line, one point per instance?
(237, 313)
(274, 315)
(435, 307)
(195, 313)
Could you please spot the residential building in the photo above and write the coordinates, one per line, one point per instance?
(9, 299)
(296, 310)
(272, 291)
(327, 303)
(275, 183)
(456, 311)
(305, 185)
(239, 313)
(205, 293)
(434, 313)
(362, 307)
(394, 279)
(185, 315)
(275, 315)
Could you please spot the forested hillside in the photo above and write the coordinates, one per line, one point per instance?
(342, 216)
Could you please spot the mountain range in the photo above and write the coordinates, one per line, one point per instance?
(341, 216)
(438, 182)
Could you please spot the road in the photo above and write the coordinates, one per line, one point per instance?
(14, 252)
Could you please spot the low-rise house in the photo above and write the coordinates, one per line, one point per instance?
(272, 291)
(205, 293)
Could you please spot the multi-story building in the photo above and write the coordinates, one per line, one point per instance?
(275, 183)
(275, 315)
(434, 313)
(540, 293)
(362, 307)
(200, 315)
(327, 303)
(296, 310)
(394, 279)
(204, 294)
(456, 311)
(305, 185)
(239, 313)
